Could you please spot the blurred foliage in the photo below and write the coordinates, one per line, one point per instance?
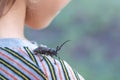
(93, 26)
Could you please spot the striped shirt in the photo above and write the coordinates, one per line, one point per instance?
(18, 62)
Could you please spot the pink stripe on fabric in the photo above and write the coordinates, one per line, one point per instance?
(26, 70)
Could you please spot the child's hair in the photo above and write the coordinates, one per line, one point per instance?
(4, 5)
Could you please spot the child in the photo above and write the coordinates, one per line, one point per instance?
(17, 58)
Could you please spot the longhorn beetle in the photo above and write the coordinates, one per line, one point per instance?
(49, 51)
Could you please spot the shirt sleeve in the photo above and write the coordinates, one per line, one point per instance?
(73, 73)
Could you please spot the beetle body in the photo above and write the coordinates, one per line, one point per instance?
(44, 50)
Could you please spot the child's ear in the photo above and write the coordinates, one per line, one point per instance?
(39, 15)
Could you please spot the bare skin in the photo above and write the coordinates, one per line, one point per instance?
(35, 15)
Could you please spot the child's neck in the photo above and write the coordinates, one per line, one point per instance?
(12, 24)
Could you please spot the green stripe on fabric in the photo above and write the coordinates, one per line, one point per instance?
(76, 75)
(3, 77)
(51, 68)
(15, 70)
(15, 54)
(65, 70)
(31, 55)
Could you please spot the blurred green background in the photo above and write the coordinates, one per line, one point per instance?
(93, 26)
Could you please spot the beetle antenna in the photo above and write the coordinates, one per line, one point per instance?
(59, 47)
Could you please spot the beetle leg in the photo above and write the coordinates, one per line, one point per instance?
(41, 59)
(54, 62)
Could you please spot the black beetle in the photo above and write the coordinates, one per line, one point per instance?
(44, 50)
